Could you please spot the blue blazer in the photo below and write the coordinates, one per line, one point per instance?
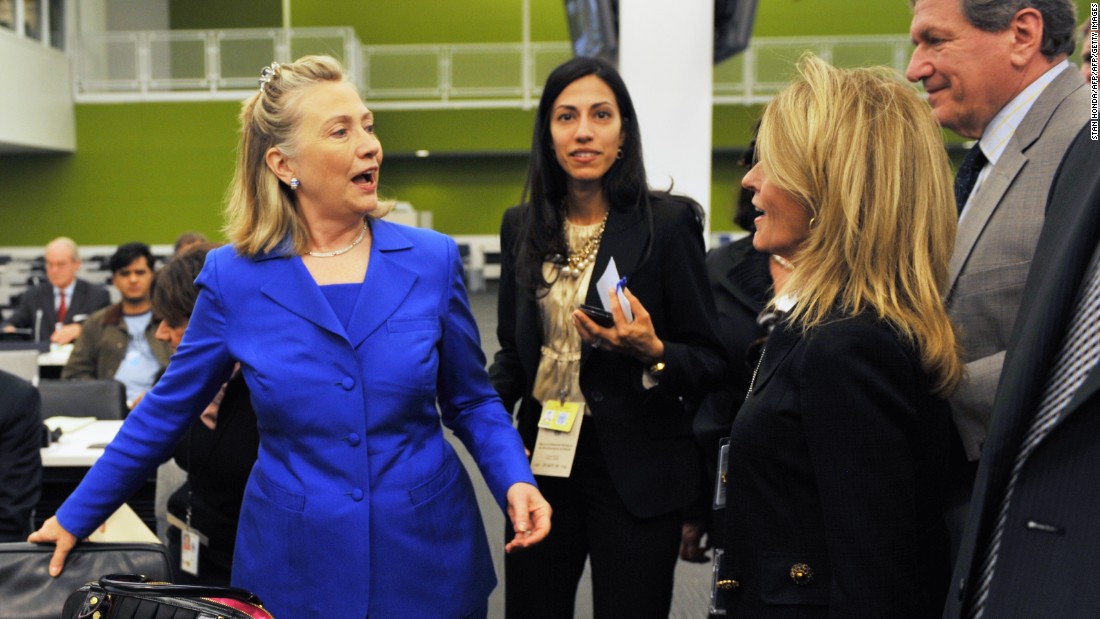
(357, 504)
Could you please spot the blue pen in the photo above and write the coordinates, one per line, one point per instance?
(621, 284)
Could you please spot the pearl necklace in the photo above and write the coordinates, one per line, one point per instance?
(577, 262)
(783, 262)
(330, 254)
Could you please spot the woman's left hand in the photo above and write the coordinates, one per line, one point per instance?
(637, 339)
(530, 516)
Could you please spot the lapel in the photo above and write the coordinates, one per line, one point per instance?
(293, 288)
(983, 206)
(49, 312)
(76, 304)
(529, 333)
(386, 285)
(624, 238)
(781, 342)
(1004, 172)
(389, 280)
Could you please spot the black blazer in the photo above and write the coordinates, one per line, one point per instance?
(20, 460)
(1046, 565)
(838, 461)
(645, 435)
(218, 463)
(741, 284)
(87, 298)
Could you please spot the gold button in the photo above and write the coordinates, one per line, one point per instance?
(93, 601)
(802, 574)
(726, 585)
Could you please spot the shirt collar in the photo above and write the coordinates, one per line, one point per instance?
(68, 292)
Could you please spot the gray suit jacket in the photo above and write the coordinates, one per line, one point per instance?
(995, 244)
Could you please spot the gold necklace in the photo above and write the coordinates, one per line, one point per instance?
(576, 263)
(337, 252)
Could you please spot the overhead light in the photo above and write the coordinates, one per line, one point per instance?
(423, 153)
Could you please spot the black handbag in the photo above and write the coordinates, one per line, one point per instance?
(28, 592)
(129, 596)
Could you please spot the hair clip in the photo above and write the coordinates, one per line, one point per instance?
(267, 74)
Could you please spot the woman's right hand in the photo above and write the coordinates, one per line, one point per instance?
(53, 533)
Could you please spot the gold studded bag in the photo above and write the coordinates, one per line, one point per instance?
(127, 596)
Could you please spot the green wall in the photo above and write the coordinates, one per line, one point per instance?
(149, 171)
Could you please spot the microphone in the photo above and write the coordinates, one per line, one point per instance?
(37, 325)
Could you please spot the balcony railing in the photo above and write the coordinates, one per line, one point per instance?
(190, 65)
(182, 65)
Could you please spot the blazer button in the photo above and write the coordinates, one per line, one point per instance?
(597, 396)
(347, 383)
(357, 495)
(727, 584)
(802, 574)
(353, 439)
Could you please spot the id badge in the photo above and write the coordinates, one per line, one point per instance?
(717, 605)
(556, 449)
(559, 416)
(721, 473)
(189, 552)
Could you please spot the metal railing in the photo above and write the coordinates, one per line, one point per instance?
(195, 65)
(182, 65)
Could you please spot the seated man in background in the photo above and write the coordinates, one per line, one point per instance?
(119, 341)
(53, 311)
(186, 241)
(20, 460)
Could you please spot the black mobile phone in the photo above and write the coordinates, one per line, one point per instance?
(598, 315)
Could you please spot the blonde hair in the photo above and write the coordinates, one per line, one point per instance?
(261, 212)
(863, 153)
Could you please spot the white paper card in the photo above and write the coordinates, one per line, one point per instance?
(609, 280)
(554, 451)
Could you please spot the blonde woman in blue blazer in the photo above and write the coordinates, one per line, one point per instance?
(349, 331)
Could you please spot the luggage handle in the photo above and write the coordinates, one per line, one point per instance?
(136, 584)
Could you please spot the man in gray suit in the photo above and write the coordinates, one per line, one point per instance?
(995, 71)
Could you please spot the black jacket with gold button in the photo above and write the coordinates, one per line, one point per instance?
(836, 478)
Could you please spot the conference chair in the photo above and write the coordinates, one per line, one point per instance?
(102, 399)
(27, 591)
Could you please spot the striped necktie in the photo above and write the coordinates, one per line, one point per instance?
(1077, 356)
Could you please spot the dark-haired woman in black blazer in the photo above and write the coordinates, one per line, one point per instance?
(618, 502)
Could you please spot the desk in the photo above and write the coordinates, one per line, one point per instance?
(52, 362)
(82, 447)
(65, 462)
